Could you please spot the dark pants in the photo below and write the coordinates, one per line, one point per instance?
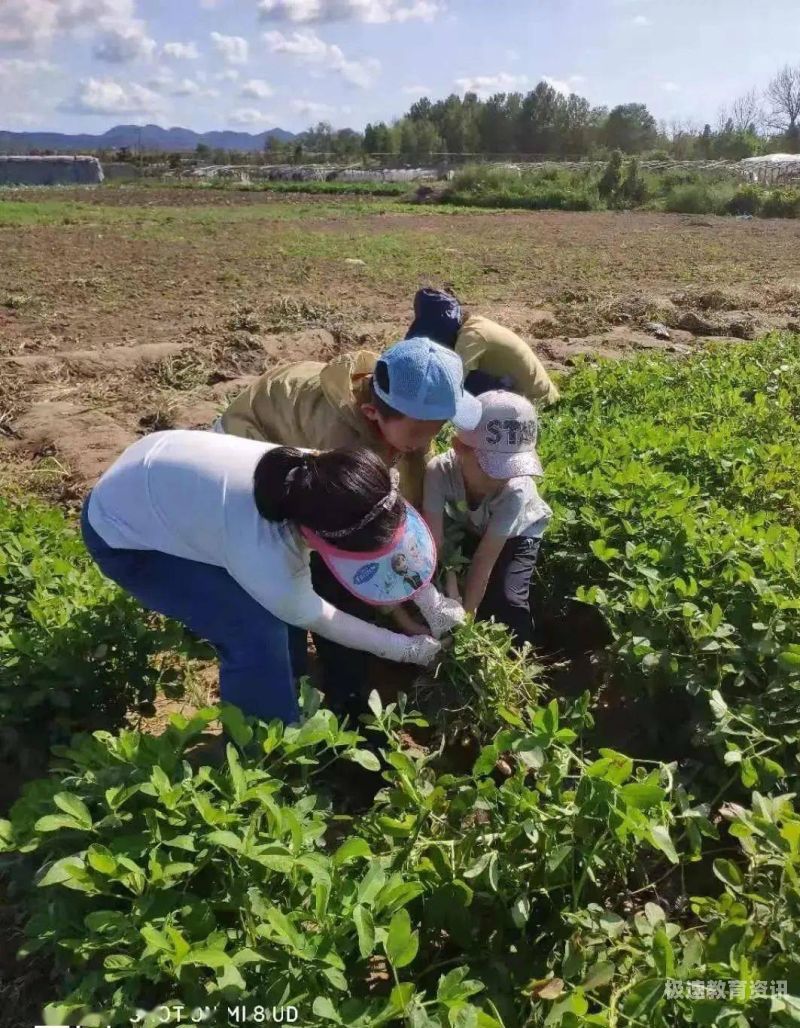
(344, 670)
(507, 597)
(480, 382)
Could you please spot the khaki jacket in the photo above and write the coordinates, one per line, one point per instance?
(486, 346)
(318, 406)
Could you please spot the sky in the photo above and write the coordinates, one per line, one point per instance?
(85, 65)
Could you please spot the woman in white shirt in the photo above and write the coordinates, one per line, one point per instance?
(215, 531)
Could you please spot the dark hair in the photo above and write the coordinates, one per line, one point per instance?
(381, 376)
(328, 492)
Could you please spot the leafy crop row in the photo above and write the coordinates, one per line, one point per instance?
(74, 651)
(675, 491)
(553, 880)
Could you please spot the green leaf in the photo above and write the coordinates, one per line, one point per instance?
(401, 943)
(371, 884)
(453, 987)
(366, 930)
(613, 767)
(63, 871)
(521, 911)
(365, 758)
(336, 978)
(660, 838)
(790, 659)
(235, 724)
(204, 956)
(729, 873)
(663, 954)
(465, 1016)
(599, 975)
(374, 703)
(226, 839)
(325, 1009)
(477, 866)
(101, 859)
(642, 795)
(75, 807)
(55, 823)
(106, 921)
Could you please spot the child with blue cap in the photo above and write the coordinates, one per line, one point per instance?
(494, 357)
(393, 403)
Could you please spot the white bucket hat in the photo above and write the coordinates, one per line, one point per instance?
(506, 436)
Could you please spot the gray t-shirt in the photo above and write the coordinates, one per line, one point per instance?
(517, 510)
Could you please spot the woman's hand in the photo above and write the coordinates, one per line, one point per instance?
(441, 613)
(422, 650)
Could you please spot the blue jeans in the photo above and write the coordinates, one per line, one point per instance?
(255, 670)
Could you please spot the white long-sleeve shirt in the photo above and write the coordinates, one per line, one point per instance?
(190, 494)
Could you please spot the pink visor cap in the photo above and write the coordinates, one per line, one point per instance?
(385, 577)
(506, 436)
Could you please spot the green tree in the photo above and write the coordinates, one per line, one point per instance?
(630, 128)
(540, 121)
(609, 184)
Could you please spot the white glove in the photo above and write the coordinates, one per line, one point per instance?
(441, 613)
(421, 649)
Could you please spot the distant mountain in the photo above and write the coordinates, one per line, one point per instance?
(149, 137)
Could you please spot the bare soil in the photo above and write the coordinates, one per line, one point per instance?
(173, 300)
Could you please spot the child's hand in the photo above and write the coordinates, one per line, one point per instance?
(451, 586)
(407, 623)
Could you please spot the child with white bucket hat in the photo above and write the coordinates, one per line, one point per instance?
(484, 487)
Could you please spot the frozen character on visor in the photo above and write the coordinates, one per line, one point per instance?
(401, 568)
(216, 532)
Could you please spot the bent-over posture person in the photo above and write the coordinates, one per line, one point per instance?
(216, 532)
(494, 357)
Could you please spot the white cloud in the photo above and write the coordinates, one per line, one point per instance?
(162, 81)
(309, 49)
(250, 116)
(373, 11)
(641, 21)
(670, 87)
(257, 89)
(30, 23)
(106, 96)
(565, 86)
(417, 90)
(123, 44)
(311, 109)
(190, 87)
(229, 75)
(485, 85)
(181, 51)
(17, 67)
(232, 49)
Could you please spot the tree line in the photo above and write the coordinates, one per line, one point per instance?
(547, 123)
(542, 123)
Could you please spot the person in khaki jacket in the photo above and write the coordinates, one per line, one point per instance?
(393, 404)
(326, 406)
(494, 357)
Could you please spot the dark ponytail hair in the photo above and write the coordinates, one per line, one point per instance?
(328, 492)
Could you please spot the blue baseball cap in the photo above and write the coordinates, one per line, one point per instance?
(437, 316)
(426, 382)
